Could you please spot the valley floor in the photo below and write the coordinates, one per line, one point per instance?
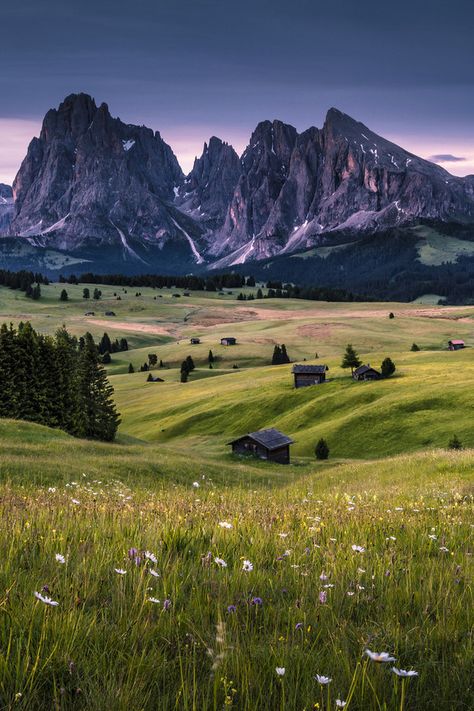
(184, 576)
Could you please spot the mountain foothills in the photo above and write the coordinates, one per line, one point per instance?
(94, 191)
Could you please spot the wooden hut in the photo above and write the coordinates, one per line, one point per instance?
(269, 444)
(365, 372)
(195, 341)
(309, 375)
(456, 344)
(228, 341)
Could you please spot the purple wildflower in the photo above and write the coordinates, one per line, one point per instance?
(132, 552)
(323, 596)
(299, 626)
(231, 608)
(256, 601)
(166, 604)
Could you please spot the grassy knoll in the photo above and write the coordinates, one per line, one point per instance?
(312, 604)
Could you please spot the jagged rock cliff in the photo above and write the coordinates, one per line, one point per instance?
(91, 183)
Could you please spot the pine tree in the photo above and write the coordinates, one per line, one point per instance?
(351, 359)
(86, 294)
(97, 294)
(36, 293)
(210, 357)
(284, 355)
(105, 345)
(276, 358)
(131, 369)
(190, 363)
(321, 450)
(387, 367)
(96, 416)
(259, 293)
(63, 296)
(414, 347)
(106, 359)
(152, 359)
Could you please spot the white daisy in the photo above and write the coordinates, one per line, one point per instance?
(120, 571)
(404, 672)
(46, 600)
(220, 562)
(154, 599)
(340, 703)
(151, 556)
(225, 524)
(358, 549)
(280, 671)
(379, 656)
(247, 566)
(60, 558)
(323, 679)
(155, 573)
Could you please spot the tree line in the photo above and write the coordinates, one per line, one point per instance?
(57, 381)
(214, 282)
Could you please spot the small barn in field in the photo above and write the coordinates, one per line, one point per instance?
(195, 341)
(270, 444)
(228, 341)
(456, 344)
(309, 375)
(365, 372)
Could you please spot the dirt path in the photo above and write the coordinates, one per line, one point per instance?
(134, 326)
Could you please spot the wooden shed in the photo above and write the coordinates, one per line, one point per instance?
(309, 375)
(195, 341)
(456, 345)
(228, 341)
(365, 372)
(270, 444)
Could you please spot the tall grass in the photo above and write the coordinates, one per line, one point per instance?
(311, 604)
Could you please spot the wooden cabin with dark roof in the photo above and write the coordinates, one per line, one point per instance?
(270, 444)
(365, 372)
(456, 344)
(309, 375)
(228, 341)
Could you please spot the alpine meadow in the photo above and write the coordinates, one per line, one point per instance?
(237, 355)
(162, 571)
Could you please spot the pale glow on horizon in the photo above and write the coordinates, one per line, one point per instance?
(187, 143)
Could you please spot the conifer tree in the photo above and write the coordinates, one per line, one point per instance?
(210, 357)
(96, 416)
(350, 359)
(131, 369)
(105, 345)
(190, 363)
(63, 296)
(86, 294)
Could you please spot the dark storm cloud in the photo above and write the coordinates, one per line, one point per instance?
(196, 67)
(446, 158)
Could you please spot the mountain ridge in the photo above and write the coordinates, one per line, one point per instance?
(90, 182)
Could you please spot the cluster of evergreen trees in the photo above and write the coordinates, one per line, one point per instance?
(214, 282)
(280, 356)
(26, 281)
(55, 381)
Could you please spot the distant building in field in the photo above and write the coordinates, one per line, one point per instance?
(365, 372)
(309, 375)
(228, 341)
(89, 313)
(269, 444)
(110, 313)
(456, 345)
(195, 341)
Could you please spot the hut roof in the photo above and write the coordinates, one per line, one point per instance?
(362, 369)
(312, 369)
(270, 438)
(456, 342)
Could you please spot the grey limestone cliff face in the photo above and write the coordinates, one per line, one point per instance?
(208, 189)
(90, 180)
(6, 207)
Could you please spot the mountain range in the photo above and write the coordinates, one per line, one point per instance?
(96, 192)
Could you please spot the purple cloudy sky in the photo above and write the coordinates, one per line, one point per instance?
(194, 68)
